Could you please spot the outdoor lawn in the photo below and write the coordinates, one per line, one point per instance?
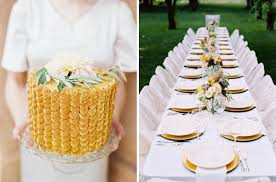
(156, 40)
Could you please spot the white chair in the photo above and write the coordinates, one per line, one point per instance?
(191, 34)
(160, 88)
(171, 67)
(146, 134)
(240, 47)
(250, 66)
(176, 58)
(153, 102)
(256, 75)
(178, 50)
(210, 18)
(234, 36)
(182, 50)
(243, 54)
(263, 92)
(239, 41)
(164, 75)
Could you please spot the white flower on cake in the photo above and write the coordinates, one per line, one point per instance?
(63, 65)
(73, 70)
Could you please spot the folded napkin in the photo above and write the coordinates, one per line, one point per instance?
(211, 175)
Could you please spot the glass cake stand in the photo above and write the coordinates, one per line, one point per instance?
(70, 163)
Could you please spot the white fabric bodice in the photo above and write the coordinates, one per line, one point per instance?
(106, 34)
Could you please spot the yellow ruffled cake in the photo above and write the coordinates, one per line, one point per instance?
(71, 121)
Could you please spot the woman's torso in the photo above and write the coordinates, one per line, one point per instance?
(92, 36)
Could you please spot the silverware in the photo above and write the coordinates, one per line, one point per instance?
(244, 157)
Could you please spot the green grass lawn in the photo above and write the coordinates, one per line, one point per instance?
(156, 40)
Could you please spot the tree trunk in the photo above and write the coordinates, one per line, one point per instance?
(249, 4)
(146, 3)
(193, 4)
(270, 20)
(171, 13)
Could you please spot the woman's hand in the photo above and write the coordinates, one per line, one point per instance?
(117, 125)
(19, 130)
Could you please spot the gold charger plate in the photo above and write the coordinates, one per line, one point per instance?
(230, 66)
(232, 76)
(191, 76)
(229, 167)
(180, 138)
(237, 91)
(183, 110)
(231, 109)
(185, 90)
(244, 138)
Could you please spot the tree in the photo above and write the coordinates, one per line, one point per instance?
(259, 9)
(193, 4)
(267, 7)
(171, 13)
(249, 4)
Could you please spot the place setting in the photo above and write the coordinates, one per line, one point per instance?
(180, 128)
(241, 129)
(240, 104)
(236, 86)
(214, 159)
(192, 73)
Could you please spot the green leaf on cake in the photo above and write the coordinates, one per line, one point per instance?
(42, 79)
(41, 72)
(60, 86)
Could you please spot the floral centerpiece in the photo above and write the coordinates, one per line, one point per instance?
(211, 61)
(212, 94)
(68, 71)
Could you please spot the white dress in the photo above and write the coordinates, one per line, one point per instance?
(37, 32)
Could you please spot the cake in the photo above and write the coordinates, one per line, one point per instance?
(71, 106)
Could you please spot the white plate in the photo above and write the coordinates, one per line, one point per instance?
(228, 57)
(192, 72)
(188, 85)
(193, 63)
(180, 126)
(193, 57)
(241, 127)
(239, 104)
(226, 52)
(211, 155)
(196, 51)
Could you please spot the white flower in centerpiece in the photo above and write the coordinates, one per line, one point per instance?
(217, 88)
(210, 92)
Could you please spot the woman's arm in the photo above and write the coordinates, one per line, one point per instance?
(16, 98)
(120, 100)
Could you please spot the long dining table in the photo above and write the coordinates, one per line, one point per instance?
(166, 161)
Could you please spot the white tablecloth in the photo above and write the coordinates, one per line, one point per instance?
(165, 161)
